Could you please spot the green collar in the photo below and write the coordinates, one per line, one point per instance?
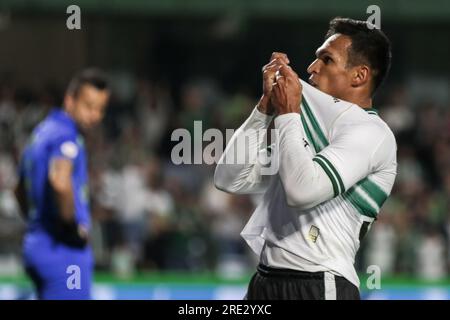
(371, 111)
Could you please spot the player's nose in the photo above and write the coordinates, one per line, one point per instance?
(313, 67)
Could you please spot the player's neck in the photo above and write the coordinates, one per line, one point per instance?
(366, 103)
(363, 102)
(360, 96)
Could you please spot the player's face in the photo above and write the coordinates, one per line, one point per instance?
(88, 107)
(329, 72)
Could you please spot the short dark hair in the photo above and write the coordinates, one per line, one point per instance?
(369, 46)
(91, 76)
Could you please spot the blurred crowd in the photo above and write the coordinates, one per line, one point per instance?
(150, 214)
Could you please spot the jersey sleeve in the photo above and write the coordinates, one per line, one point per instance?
(304, 182)
(241, 168)
(66, 147)
(355, 152)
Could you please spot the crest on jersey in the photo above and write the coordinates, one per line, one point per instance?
(314, 233)
(69, 149)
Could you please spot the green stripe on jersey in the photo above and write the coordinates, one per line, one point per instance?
(367, 197)
(315, 124)
(371, 111)
(329, 174)
(309, 135)
(374, 191)
(361, 202)
(336, 176)
(312, 132)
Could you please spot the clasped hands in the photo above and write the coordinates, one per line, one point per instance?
(282, 90)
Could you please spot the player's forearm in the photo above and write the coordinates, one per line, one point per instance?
(304, 182)
(63, 191)
(60, 178)
(66, 205)
(235, 171)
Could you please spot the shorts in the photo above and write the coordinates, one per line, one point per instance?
(57, 270)
(284, 284)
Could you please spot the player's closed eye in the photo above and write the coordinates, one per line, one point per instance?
(327, 59)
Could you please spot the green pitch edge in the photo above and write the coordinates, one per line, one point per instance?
(168, 278)
(150, 278)
(173, 278)
(406, 281)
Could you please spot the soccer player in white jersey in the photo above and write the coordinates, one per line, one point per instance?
(336, 165)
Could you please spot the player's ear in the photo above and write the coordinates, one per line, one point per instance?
(68, 102)
(360, 75)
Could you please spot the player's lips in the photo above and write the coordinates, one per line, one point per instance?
(311, 82)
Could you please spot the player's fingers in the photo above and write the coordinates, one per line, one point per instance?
(279, 60)
(269, 75)
(278, 75)
(276, 89)
(286, 71)
(271, 67)
(274, 64)
(280, 80)
(280, 55)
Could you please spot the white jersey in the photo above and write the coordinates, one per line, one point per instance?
(336, 167)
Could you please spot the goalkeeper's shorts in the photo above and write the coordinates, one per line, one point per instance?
(57, 270)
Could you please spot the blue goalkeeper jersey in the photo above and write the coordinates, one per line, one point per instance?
(57, 136)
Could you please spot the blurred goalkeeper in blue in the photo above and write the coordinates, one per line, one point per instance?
(53, 192)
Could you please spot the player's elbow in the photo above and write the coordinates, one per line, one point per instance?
(227, 179)
(222, 179)
(219, 184)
